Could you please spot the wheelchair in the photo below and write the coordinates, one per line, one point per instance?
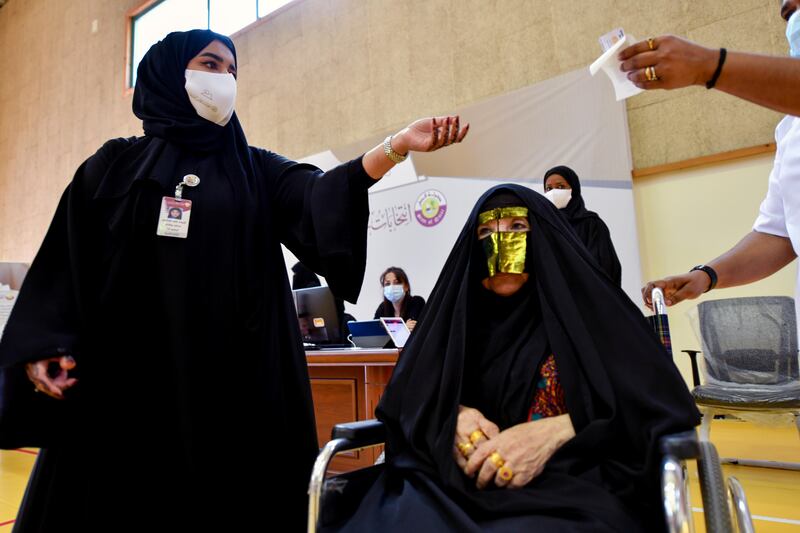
(332, 499)
(725, 508)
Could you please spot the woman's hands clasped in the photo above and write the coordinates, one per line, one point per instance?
(509, 458)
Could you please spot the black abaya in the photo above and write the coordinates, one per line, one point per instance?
(474, 348)
(193, 403)
(591, 229)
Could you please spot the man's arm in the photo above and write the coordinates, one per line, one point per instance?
(755, 257)
(769, 81)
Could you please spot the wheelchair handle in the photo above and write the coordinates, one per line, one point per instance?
(657, 297)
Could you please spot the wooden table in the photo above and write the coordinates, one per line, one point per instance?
(346, 386)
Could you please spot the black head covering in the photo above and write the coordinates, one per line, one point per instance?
(160, 97)
(506, 339)
(588, 225)
(304, 277)
(576, 208)
(622, 391)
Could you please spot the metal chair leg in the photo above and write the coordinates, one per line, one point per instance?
(797, 422)
(705, 426)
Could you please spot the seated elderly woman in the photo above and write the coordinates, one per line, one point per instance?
(533, 399)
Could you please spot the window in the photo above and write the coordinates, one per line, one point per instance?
(158, 18)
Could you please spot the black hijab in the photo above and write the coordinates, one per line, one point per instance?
(160, 99)
(576, 208)
(621, 389)
(506, 341)
(588, 225)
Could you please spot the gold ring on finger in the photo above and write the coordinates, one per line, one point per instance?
(496, 460)
(466, 448)
(505, 473)
(476, 435)
(651, 43)
(655, 76)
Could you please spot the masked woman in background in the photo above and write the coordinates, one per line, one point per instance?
(171, 384)
(533, 399)
(563, 188)
(397, 298)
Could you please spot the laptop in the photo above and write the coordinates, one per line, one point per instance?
(397, 330)
(368, 333)
(317, 317)
(379, 333)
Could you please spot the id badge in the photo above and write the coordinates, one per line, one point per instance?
(173, 220)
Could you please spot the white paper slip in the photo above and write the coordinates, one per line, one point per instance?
(610, 39)
(7, 300)
(608, 63)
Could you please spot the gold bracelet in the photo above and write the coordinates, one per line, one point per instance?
(390, 153)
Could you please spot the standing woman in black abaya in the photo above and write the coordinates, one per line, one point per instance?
(163, 358)
(563, 188)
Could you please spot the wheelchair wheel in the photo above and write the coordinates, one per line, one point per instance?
(712, 486)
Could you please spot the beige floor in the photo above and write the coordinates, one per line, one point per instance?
(773, 495)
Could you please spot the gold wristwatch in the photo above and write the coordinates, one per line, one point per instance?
(390, 153)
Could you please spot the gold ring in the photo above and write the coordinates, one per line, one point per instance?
(476, 435)
(496, 459)
(650, 74)
(465, 448)
(505, 473)
(651, 43)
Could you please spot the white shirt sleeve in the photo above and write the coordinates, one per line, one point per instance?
(771, 215)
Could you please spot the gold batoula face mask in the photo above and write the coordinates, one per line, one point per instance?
(505, 250)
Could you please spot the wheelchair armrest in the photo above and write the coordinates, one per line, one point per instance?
(364, 431)
(695, 372)
(682, 445)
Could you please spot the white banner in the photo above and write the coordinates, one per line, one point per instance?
(418, 209)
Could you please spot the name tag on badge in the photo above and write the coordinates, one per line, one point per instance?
(173, 220)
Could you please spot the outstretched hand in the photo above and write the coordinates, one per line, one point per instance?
(429, 134)
(677, 62)
(677, 288)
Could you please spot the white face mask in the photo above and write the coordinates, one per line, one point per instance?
(212, 95)
(394, 293)
(559, 197)
(793, 34)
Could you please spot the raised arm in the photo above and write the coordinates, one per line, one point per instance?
(755, 257)
(769, 81)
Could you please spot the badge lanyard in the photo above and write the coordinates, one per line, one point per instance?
(173, 219)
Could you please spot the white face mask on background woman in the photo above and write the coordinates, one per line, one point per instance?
(394, 293)
(559, 197)
(212, 95)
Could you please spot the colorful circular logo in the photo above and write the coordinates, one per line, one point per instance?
(430, 208)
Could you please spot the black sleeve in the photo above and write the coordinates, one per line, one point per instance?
(322, 217)
(603, 249)
(415, 307)
(48, 316)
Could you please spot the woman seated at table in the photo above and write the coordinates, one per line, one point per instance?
(533, 398)
(397, 298)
